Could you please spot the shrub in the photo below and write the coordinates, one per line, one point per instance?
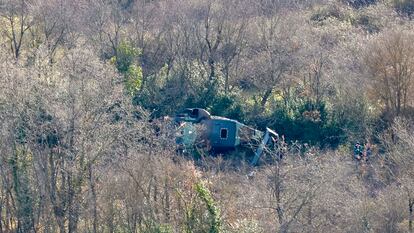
(404, 7)
(368, 23)
(359, 3)
(326, 12)
(212, 208)
(126, 55)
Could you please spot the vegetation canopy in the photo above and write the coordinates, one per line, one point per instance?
(88, 89)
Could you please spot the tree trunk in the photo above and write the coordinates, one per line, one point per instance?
(265, 98)
(411, 214)
(310, 216)
(1, 215)
(73, 206)
(167, 201)
(93, 193)
(278, 192)
(226, 80)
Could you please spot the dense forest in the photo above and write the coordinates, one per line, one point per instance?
(86, 85)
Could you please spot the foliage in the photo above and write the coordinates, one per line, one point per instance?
(77, 156)
(212, 208)
(126, 55)
(307, 123)
(133, 79)
(126, 62)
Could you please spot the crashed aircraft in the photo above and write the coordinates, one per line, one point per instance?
(197, 127)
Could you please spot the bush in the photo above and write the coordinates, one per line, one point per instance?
(368, 23)
(404, 7)
(307, 123)
(133, 79)
(126, 62)
(126, 55)
(326, 12)
(360, 3)
(213, 210)
(227, 106)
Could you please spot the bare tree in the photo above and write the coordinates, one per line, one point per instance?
(54, 24)
(15, 15)
(399, 164)
(272, 53)
(105, 21)
(390, 64)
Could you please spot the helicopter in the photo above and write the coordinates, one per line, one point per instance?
(197, 127)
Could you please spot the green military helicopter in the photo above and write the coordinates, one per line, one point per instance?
(197, 127)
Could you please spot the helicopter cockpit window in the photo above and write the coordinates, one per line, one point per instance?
(223, 133)
(194, 113)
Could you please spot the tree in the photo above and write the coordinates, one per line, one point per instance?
(399, 163)
(58, 135)
(17, 21)
(390, 65)
(105, 22)
(271, 55)
(55, 25)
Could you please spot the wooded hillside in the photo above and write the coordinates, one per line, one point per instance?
(85, 86)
